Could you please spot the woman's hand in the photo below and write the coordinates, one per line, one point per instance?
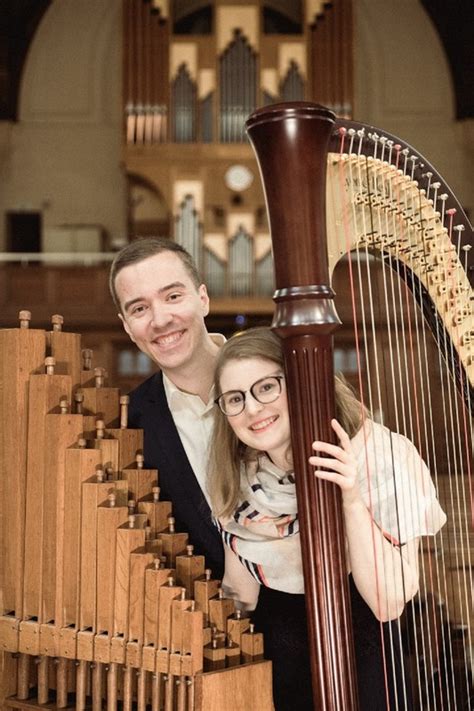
(385, 576)
(339, 464)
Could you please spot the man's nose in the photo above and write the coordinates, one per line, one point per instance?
(160, 316)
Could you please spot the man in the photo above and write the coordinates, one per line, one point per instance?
(162, 305)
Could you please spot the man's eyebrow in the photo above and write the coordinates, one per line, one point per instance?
(167, 287)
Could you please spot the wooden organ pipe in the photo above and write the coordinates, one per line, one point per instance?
(346, 59)
(331, 65)
(157, 46)
(336, 27)
(23, 676)
(332, 81)
(161, 77)
(146, 72)
(319, 45)
(326, 22)
(140, 10)
(129, 52)
(111, 606)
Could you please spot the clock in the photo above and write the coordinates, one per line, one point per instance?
(238, 177)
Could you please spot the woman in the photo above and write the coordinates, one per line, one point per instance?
(252, 490)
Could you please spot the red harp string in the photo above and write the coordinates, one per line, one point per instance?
(355, 208)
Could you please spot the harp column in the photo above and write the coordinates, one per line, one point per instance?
(291, 143)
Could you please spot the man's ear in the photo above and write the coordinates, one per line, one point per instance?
(204, 296)
(126, 327)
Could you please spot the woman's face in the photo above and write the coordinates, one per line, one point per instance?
(264, 427)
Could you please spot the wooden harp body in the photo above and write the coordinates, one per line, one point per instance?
(335, 190)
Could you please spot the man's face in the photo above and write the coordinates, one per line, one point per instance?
(162, 310)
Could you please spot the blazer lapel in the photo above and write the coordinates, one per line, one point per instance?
(165, 448)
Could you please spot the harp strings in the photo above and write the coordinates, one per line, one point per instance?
(382, 212)
(420, 417)
(361, 346)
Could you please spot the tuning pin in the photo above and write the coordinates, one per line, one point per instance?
(86, 358)
(64, 406)
(111, 500)
(49, 363)
(171, 523)
(99, 375)
(100, 429)
(156, 493)
(57, 321)
(190, 550)
(131, 520)
(78, 400)
(124, 400)
(82, 443)
(100, 474)
(25, 318)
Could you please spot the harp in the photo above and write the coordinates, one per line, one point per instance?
(336, 188)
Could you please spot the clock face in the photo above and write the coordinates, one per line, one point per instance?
(238, 177)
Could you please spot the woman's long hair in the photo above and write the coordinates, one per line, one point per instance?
(226, 450)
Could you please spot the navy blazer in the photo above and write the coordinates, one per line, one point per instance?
(164, 451)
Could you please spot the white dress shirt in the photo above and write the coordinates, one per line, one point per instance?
(194, 421)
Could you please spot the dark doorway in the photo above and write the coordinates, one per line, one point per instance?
(23, 231)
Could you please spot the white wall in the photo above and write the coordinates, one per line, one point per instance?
(63, 156)
(403, 84)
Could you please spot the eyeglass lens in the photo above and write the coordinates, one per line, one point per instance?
(264, 391)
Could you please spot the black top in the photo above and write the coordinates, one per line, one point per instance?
(282, 619)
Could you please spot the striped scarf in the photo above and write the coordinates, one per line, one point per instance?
(394, 483)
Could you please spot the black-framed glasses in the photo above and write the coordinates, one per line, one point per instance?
(264, 391)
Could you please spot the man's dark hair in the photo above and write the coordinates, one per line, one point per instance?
(141, 249)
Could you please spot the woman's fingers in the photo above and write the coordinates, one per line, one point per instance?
(334, 462)
(330, 463)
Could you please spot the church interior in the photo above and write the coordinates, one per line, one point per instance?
(122, 119)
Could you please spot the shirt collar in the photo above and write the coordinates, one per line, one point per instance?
(177, 397)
